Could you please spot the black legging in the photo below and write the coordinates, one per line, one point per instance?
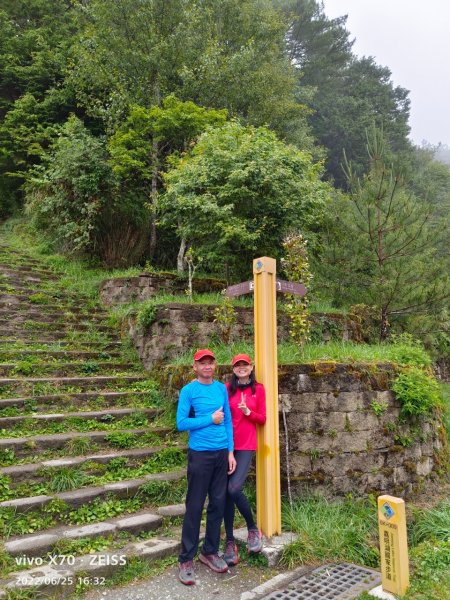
(235, 495)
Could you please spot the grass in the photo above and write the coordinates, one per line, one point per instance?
(290, 353)
(331, 530)
(29, 427)
(433, 525)
(346, 530)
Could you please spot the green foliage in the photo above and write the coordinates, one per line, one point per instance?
(13, 523)
(39, 298)
(410, 351)
(445, 390)
(101, 509)
(378, 243)
(222, 55)
(165, 460)
(24, 367)
(366, 322)
(225, 317)
(378, 407)
(417, 392)
(82, 546)
(296, 266)
(116, 464)
(149, 135)
(35, 37)
(122, 439)
(7, 562)
(163, 492)
(7, 456)
(326, 328)
(239, 191)
(431, 571)
(5, 491)
(90, 367)
(349, 92)
(147, 315)
(66, 199)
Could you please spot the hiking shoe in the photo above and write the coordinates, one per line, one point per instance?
(214, 562)
(186, 572)
(231, 553)
(254, 541)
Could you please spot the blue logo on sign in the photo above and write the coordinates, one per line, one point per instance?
(387, 511)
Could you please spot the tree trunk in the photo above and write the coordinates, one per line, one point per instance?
(180, 257)
(384, 325)
(153, 196)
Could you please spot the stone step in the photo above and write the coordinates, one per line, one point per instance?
(52, 337)
(13, 288)
(32, 326)
(64, 369)
(72, 399)
(18, 299)
(127, 488)
(35, 315)
(33, 470)
(20, 280)
(17, 345)
(115, 414)
(51, 311)
(25, 270)
(41, 543)
(23, 445)
(6, 251)
(94, 382)
(21, 354)
(62, 579)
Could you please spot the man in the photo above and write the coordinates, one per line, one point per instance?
(203, 410)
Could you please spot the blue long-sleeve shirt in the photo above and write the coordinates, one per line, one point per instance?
(205, 399)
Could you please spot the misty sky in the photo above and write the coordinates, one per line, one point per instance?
(411, 37)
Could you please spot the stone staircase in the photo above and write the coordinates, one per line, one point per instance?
(91, 471)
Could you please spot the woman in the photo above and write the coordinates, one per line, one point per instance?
(247, 400)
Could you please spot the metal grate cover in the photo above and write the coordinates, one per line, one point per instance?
(332, 582)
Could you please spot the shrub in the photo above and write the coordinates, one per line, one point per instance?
(417, 392)
(147, 316)
(76, 199)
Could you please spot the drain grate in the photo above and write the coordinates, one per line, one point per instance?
(333, 582)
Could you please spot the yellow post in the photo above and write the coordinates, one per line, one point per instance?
(268, 495)
(393, 545)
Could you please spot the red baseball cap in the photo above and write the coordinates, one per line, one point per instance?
(243, 357)
(203, 353)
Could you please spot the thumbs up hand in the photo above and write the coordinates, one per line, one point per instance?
(218, 415)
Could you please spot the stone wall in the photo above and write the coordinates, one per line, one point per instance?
(337, 443)
(442, 368)
(178, 327)
(122, 290)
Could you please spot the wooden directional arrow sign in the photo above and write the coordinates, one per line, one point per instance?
(240, 288)
(288, 287)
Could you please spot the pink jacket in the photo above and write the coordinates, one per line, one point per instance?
(244, 428)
